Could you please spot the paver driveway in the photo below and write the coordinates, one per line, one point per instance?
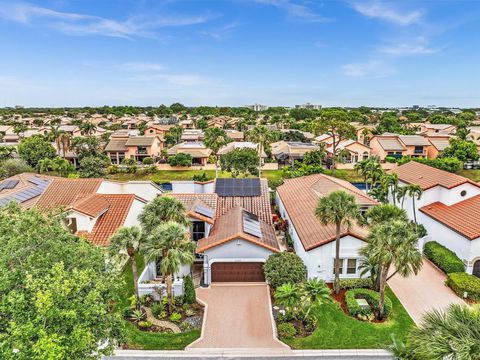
(238, 316)
(423, 292)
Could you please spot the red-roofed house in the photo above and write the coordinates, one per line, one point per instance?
(315, 243)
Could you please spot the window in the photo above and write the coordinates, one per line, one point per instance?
(418, 150)
(198, 230)
(351, 266)
(347, 266)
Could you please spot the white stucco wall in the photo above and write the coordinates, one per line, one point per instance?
(84, 222)
(320, 261)
(144, 189)
(135, 210)
(237, 250)
(192, 187)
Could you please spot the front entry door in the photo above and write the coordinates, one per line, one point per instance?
(476, 268)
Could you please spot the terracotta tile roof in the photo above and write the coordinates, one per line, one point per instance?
(191, 201)
(229, 227)
(462, 217)
(62, 193)
(92, 205)
(258, 205)
(116, 144)
(300, 198)
(427, 177)
(112, 219)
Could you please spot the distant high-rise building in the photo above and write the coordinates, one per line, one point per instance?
(308, 106)
(257, 107)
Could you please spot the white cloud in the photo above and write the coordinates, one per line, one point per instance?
(387, 12)
(82, 24)
(141, 66)
(369, 69)
(295, 10)
(408, 49)
(221, 32)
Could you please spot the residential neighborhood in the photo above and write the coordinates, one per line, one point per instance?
(274, 179)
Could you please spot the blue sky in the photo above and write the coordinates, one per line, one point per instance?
(237, 52)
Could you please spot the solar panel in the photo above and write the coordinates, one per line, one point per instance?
(8, 184)
(204, 211)
(251, 224)
(238, 187)
(27, 194)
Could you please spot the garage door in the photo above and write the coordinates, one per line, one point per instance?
(237, 272)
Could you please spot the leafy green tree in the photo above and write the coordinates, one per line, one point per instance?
(450, 334)
(462, 150)
(173, 135)
(177, 108)
(294, 135)
(128, 240)
(160, 210)
(94, 166)
(392, 244)
(340, 209)
(215, 139)
(336, 123)
(169, 245)
(6, 152)
(35, 148)
(240, 161)
(86, 147)
(315, 157)
(180, 159)
(202, 124)
(57, 293)
(13, 167)
(131, 165)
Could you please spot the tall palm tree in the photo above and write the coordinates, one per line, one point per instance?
(169, 244)
(361, 168)
(215, 139)
(451, 334)
(392, 243)
(162, 209)
(129, 240)
(338, 208)
(263, 137)
(414, 191)
(88, 128)
(390, 183)
(401, 194)
(65, 140)
(374, 172)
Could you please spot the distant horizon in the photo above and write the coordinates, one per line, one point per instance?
(235, 52)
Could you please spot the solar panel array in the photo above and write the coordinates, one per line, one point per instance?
(202, 210)
(39, 185)
(238, 187)
(251, 225)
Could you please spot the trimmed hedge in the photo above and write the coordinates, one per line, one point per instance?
(286, 330)
(372, 298)
(444, 258)
(355, 283)
(462, 282)
(283, 268)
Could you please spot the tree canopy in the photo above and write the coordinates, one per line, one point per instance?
(35, 148)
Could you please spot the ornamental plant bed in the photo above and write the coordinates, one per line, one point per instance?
(340, 299)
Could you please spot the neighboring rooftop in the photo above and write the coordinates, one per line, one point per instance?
(140, 141)
(116, 144)
(427, 177)
(23, 188)
(199, 206)
(462, 217)
(300, 198)
(238, 223)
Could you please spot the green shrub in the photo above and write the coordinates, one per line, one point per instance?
(147, 161)
(200, 177)
(452, 165)
(462, 283)
(355, 283)
(444, 258)
(286, 330)
(373, 299)
(144, 324)
(283, 268)
(189, 296)
(175, 317)
(157, 309)
(390, 159)
(180, 160)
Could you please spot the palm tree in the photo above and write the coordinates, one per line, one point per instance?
(338, 208)
(88, 128)
(169, 244)
(390, 183)
(361, 168)
(129, 240)
(64, 139)
(263, 137)
(162, 209)
(44, 165)
(392, 243)
(414, 191)
(374, 172)
(452, 334)
(215, 139)
(401, 194)
(382, 213)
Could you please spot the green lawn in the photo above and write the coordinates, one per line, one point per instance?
(137, 339)
(471, 174)
(336, 330)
